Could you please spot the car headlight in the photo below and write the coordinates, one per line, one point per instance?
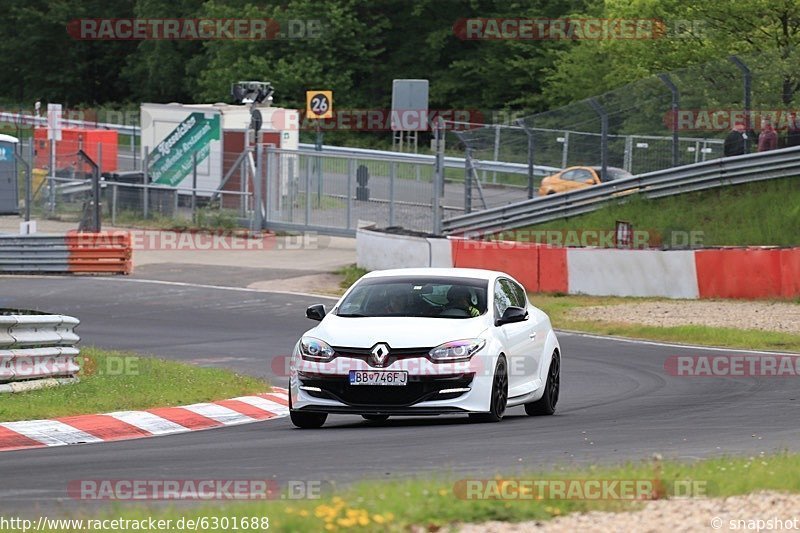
(315, 350)
(457, 350)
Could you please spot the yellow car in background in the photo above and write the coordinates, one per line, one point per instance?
(574, 178)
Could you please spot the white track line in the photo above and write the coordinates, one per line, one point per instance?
(216, 287)
(669, 344)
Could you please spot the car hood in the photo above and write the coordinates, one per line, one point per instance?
(397, 332)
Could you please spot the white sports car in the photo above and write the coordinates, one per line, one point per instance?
(426, 341)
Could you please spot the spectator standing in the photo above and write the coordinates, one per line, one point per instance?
(735, 141)
(793, 135)
(768, 138)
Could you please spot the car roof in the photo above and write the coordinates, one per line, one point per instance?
(439, 272)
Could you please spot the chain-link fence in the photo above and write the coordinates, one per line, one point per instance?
(659, 122)
(260, 187)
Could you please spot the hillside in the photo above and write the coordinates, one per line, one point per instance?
(764, 213)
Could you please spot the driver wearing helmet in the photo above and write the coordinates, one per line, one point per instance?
(459, 297)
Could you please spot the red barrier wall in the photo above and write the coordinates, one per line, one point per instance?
(748, 273)
(790, 273)
(518, 259)
(539, 268)
(553, 270)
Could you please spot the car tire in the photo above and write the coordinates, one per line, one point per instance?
(499, 398)
(547, 404)
(304, 420)
(375, 418)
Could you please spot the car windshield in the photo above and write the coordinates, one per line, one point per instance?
(416, 297)
(614, 173)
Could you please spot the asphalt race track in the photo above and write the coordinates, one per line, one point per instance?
(617, 403)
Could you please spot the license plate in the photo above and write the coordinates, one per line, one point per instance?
(378, 377)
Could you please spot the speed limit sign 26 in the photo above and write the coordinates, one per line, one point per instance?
(319, 104)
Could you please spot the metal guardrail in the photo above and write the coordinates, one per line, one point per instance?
(71, 253)
(36, 350)
(678, 180)
(449, 162)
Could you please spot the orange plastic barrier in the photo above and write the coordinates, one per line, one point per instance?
(538, 267)
(518, 259)
(745, 273)
(104, 252)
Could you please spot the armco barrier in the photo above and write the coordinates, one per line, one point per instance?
(105, 252)
(36, 349)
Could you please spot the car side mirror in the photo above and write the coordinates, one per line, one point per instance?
(315, 312)
(512, 314)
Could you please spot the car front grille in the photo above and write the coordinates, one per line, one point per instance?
(395, 354)
(418, 389)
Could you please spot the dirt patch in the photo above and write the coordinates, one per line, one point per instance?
(782, 317)
(313, 284)
(671, 515)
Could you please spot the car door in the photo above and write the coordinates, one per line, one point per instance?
(539, 327)
(517, 338)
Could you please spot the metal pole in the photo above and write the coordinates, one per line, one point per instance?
(746, 88)
(145, 192)
(496, 150)
(601, 112)
(268, 192)
(468, 180)
(665, 79)
(308, 191)
(351, 169)
(96, 192)
(392, 177)
(51, 185)
(194, 186)
(565, 151)
(257, 194)
(438, 177)
(531, 147)
(28, 182)
(114, 203)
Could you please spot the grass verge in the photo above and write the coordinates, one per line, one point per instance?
(432, 504)
(763, 213)
(119, 381)
(350, 274)
(558, 307)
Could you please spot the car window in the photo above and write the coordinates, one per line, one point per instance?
(502, 298)
(518, 293)
(578, 174)
(416, 296)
